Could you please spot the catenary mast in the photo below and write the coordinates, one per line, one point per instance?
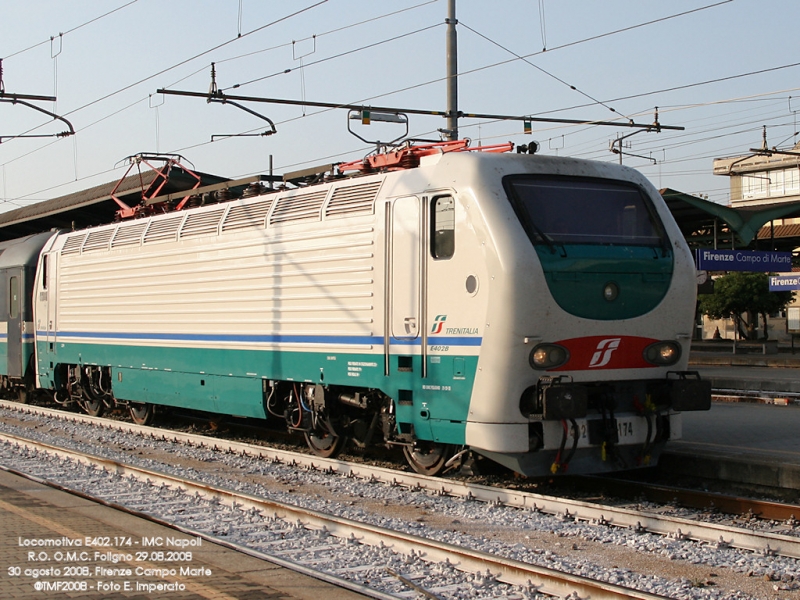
(452, 72)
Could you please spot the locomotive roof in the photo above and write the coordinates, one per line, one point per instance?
(95, 206)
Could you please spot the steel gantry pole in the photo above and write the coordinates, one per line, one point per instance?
(452, 72)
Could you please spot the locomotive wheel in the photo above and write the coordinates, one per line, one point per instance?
(94, 408)
(22, 395)
(325, 444)
(428, 458)
(141, 414)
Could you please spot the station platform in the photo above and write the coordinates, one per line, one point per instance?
(752, 441)
(57, 545)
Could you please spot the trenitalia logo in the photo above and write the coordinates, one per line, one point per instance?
(438, 323)
(602, 354)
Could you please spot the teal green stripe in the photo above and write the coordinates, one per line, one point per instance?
(231, 381)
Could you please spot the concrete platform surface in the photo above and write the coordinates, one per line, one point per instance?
(56, 545)
(747, 443)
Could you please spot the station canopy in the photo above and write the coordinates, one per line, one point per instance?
(707, 224)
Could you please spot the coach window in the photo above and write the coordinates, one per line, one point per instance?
(443, 227)
(13, 298)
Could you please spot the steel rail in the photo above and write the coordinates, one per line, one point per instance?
(281, 562)
(547, 581)
(675, 527)
(698, 499)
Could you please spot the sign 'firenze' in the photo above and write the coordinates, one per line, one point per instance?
(743, 260)
(784, 282)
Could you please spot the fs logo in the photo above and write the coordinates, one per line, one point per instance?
(602, 354)
(438, 323)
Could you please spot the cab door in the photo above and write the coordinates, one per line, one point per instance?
(404, 304)
(45, 325)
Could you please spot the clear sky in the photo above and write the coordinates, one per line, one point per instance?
(721, 69)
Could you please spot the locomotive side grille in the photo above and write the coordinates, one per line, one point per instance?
(353, 199)
(163, 229)
(98, 240)
(297, 207)
(246, 216)
(128, 235)
(202, 223)
(73, 244)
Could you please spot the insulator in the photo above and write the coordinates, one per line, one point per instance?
(254, 189)
(409, 161)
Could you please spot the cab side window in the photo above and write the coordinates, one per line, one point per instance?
(443, 227)
(45, 270)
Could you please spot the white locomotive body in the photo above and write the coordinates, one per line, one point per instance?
(536, 310)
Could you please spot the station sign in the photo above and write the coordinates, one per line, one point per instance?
(743, 260)
(784, 282)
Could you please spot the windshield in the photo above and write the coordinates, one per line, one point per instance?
(569, 210)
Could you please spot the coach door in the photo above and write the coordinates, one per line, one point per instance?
(15, 308)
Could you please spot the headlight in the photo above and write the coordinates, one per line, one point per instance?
(548, 356)
(662, 353)
(610, 291)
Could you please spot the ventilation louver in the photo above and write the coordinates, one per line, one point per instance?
(73, 244)
(298, 207)
(202, 223)
(247, 216)
(353, 199)
(98, 240)
(161, 230)
(129, 235)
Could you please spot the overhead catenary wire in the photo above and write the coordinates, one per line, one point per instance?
(549, 50)
(540, 69)
(262, 27)
(576, 42)
(73, 29)
(561, 47)
(324, 33)
(335, 30)
(204, 68)
(335, 56)
(500, 136)
(196, 56)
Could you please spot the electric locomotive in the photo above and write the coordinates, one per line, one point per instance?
(534, 310)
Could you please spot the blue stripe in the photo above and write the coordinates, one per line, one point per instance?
(266, 339)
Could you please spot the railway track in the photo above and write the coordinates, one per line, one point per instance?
(763, 396)
(763, 542)
(708, 502)
(267, 513)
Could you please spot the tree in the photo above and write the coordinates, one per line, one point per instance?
(738, 293)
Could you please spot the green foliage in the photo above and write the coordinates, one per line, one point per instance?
(743, 293)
